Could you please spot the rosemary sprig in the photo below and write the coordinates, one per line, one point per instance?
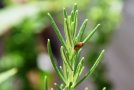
(70, 50)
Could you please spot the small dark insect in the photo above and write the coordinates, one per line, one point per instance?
(78, 46)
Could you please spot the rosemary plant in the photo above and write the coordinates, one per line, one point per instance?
(73, 64)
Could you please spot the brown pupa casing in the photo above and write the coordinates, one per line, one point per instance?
(78, 45)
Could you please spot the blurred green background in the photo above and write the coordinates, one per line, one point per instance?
(25, 28)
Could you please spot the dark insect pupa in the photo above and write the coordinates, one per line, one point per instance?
(78, 46)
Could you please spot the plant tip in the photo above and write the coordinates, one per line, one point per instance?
(98, 25)
(48, 14)
(65, 19)
(61, 46)
(103, 51)
(45, 77)
(83, 58)
(76, 11)
(48, 40)
(61, 67)
(75, 4)
(104, 88)
(86, 20)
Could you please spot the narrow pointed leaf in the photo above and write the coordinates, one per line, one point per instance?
(72, 28)
(75, 7)
(92, 69)
(46, 84)
(72, 16)
(68, 30)
(79, 68)
(77, 60)
(61, 70)
(82, 29)
(53, 61)
(65, 13)
(65, 58)
(76, 22)
(57, 31)
(91, 34)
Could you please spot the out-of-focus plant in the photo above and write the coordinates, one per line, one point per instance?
(73, 65)
(11, 16)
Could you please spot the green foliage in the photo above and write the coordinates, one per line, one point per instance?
(11, 16)
(73, 65)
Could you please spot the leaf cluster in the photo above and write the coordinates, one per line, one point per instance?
(73, 64)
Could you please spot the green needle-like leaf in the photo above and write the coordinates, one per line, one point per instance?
(82, 29)
(79, 68)
(65, 13)
(92, 69)
(76, 22)
(68, 30)
(46, 84)
(91, 34)
(61, 70)
(72, 16)
(75, 7)
(57, 31)
(65, 58)
(72, 28)
(77, 60)
(53, 61)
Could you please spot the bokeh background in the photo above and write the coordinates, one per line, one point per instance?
(25, 28)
